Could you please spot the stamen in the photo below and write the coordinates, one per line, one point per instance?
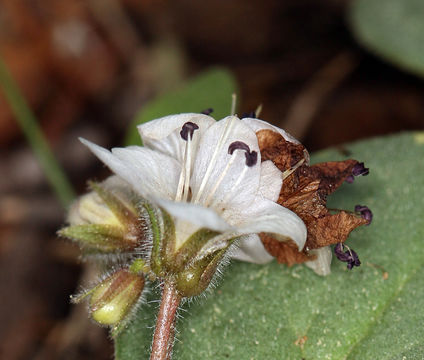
(360, 170)
(349, 256)
(238, 145)
(207, 111)
(365, 212)
(187, 170)
(288, 172)
(251, 159)
(181, 181)
(251, 156)
(188, 128)
(221, 142)
(258, 111)
(186, 133)
(233, 104)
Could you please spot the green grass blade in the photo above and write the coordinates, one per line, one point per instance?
(35, 137)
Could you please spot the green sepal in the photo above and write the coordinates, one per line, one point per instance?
(196, 277)
(168, 239)
(98, 237)
(189, 250)
(162, 230)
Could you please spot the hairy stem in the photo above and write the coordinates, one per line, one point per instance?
(163, 339)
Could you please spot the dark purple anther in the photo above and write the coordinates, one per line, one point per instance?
(238, 145)
(207, 111)
(349, 256)
(360, 170)
(251, 156)
(340, 254)
(248, 115)
(188, 128)
(365, 212)
(354, 261)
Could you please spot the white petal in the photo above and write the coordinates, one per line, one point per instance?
(164, 134)
(269, 217)
(321, 265)
(251, 249)
(150, 173)
(216, 184)
(257, 125)
(270, 182)
(195, 214)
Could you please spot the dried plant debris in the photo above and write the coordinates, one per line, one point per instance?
(305, 190)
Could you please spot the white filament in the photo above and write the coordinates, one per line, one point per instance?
(221, 142)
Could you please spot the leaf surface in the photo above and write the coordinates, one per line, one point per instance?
(392, 29)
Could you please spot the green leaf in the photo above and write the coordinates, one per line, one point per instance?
(211, 89)
(392, 29)
(262, 312)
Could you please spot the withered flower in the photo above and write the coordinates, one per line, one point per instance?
(304, 191)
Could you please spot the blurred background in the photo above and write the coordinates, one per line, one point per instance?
(87, 67)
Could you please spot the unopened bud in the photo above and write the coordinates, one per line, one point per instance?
(106, 219)
(113, 299)
(196, 277)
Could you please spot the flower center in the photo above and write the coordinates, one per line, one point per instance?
(234, 149)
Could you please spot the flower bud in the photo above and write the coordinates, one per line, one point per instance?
(113, 299)
(196, 277)
(106, 219)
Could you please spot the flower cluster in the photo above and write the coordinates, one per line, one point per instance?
(200, 192)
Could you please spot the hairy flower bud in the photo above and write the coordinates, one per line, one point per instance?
(106, 219)
(111, 301)
(196, 277)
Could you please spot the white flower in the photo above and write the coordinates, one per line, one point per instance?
(209, 174)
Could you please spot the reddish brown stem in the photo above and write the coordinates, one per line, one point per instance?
(163, 339)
